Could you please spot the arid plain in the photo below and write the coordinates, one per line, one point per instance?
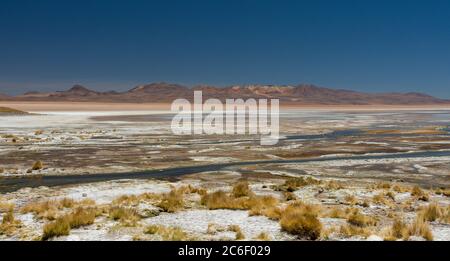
(87, 171)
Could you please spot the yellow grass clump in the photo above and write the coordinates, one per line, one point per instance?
(336, 212)
(236, 229)
(168, 233)
(293, 184)
(419, 193)
(360, 220)
(398, 230)
(242, 189)
(38, 165)
(263, 236)
(9, 223)
(62, 225)
(420, 228)
(126, 216)
(434, 212)
(349, 230)
(58, 228)
(172, 201)
(134, 200)
(256, 204)
(334, 185)
(302, 220)
(289, 196)
(51, 209)
(8, 217)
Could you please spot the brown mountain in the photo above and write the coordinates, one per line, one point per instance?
(300, 94)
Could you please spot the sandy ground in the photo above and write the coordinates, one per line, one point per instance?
(69, 141)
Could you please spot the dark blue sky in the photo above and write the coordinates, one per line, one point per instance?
(366, 45)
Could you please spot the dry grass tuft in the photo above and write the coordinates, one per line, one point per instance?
(360, 220)
(236, 229)
(221, 200)
(400, 189)
(173, 201)
(38, 165)
(263, 236)
(62, 225)
(58, 228)
(293, 184)
(168, 233)
(214, 228)
(8, 217)
(434, 212)
(381, 199)
(9, 223)
(336, 212)
(289, 196)
(420, 228)
(5, 206)
(81, 217)
(126, 216)
(398, 230)
(351, 230)
(302, 220)
(51, 209)
(334, 185)
(419, 193)
(134, 200)
(383, 185)
(351, 200)
(242, 189)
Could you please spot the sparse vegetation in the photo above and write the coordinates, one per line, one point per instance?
(349, 230)
(420, 228)
(398, 230)
(336, 212)
(172, 201)
(236, 229)
(434, 212)
(62, 225)
(9, 223)
(8, 217)
(419, 193)
(334, 185)
(221, 200)
(263, 236)
(38, 165)
(168, 233)
(302, 220)
(51, 209)
(360, 220)
(293, 184)
(126, 216)
(289, 196)
(242, 189)
(58, 228)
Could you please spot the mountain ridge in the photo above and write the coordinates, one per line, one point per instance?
(162, 92)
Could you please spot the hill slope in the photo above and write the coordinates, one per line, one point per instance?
(300, 94)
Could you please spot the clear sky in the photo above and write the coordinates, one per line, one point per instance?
(366, 45)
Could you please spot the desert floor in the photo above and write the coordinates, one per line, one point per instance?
(75, 171)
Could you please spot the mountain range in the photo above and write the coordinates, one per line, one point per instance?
(166, 92)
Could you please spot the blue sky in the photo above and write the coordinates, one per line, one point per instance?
(366, 45)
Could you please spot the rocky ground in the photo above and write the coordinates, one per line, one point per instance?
(335, 198)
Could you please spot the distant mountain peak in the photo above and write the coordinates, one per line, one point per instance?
(79, 88)
(301, 94)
